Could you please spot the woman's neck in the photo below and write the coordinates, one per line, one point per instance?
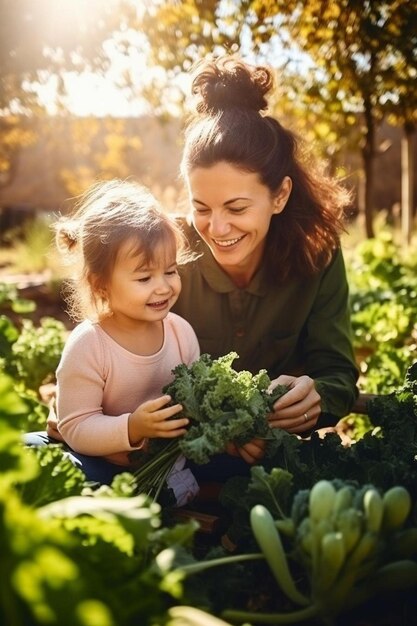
(240, 278)
(242, 274)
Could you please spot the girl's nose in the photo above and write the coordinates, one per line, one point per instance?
(162, 284)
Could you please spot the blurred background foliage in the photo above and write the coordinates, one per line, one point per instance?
(97, 89)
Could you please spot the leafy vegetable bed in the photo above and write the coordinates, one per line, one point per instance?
(74, 554)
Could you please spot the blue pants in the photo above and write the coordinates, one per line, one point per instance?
(96, 469)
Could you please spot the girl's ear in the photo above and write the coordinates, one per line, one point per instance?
(282, 195)
(97, 286)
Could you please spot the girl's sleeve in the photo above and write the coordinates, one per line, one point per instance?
(81, 378)
(187, 340)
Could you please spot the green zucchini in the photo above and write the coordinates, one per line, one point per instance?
(269, 541)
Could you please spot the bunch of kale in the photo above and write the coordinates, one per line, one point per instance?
(223, 406)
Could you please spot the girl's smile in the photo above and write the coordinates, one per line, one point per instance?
(162, 304)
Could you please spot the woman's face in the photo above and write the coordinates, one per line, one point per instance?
(232, 212)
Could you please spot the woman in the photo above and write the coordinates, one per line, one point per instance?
(270, 282)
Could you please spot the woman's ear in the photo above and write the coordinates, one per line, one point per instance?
(282, 195)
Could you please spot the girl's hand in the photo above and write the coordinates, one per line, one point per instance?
(251, 452)
(52, 426)
(298, 410)
(151, 419)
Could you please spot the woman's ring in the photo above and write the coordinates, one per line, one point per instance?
(306, 418)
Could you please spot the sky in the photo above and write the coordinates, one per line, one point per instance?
(89, 93)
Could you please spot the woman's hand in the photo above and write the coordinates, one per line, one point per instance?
(298, 410)
(251, 452)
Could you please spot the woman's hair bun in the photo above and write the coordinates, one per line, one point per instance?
(227, 82)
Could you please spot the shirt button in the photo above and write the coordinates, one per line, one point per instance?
(240, 332)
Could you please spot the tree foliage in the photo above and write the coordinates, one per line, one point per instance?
(342, 65)
(364, 54)
(367, 51)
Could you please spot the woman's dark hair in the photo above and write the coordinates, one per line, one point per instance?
(229, 125)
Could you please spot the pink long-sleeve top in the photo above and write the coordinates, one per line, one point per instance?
(99, 383)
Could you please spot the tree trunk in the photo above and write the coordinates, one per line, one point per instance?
(407, 183)
(368, 155)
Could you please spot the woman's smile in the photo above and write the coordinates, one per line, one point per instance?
(227, 243)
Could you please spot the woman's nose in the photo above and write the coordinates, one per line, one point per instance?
(218, 226)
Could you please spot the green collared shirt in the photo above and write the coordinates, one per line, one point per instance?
(300, 327)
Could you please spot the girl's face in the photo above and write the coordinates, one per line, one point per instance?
(139, 293)
(232, 212)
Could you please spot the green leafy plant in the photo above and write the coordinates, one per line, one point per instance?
(383, 288)
(223, 405)
(36, 352)
(9, 299)
(32, 247)
(350, 542)
(73, 561)
(340, 545)
(384, 457)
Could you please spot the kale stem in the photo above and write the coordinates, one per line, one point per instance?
(196, 568)
(151, 477)
(271, 618)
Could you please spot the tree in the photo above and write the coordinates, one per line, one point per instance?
(108, 149)
(355, 45)
(15, 133)
(401, 103)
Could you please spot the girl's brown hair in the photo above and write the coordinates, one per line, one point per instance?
(108, 215)
(229, 125)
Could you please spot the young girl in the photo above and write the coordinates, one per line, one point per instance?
(116, 362)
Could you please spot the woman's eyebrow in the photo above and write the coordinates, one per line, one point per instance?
(236, 199)
(224, 203)
(198, 201)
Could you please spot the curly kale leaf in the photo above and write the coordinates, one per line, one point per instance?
(223, 405)
(396, 413)
(183, 391)
(211, 437)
